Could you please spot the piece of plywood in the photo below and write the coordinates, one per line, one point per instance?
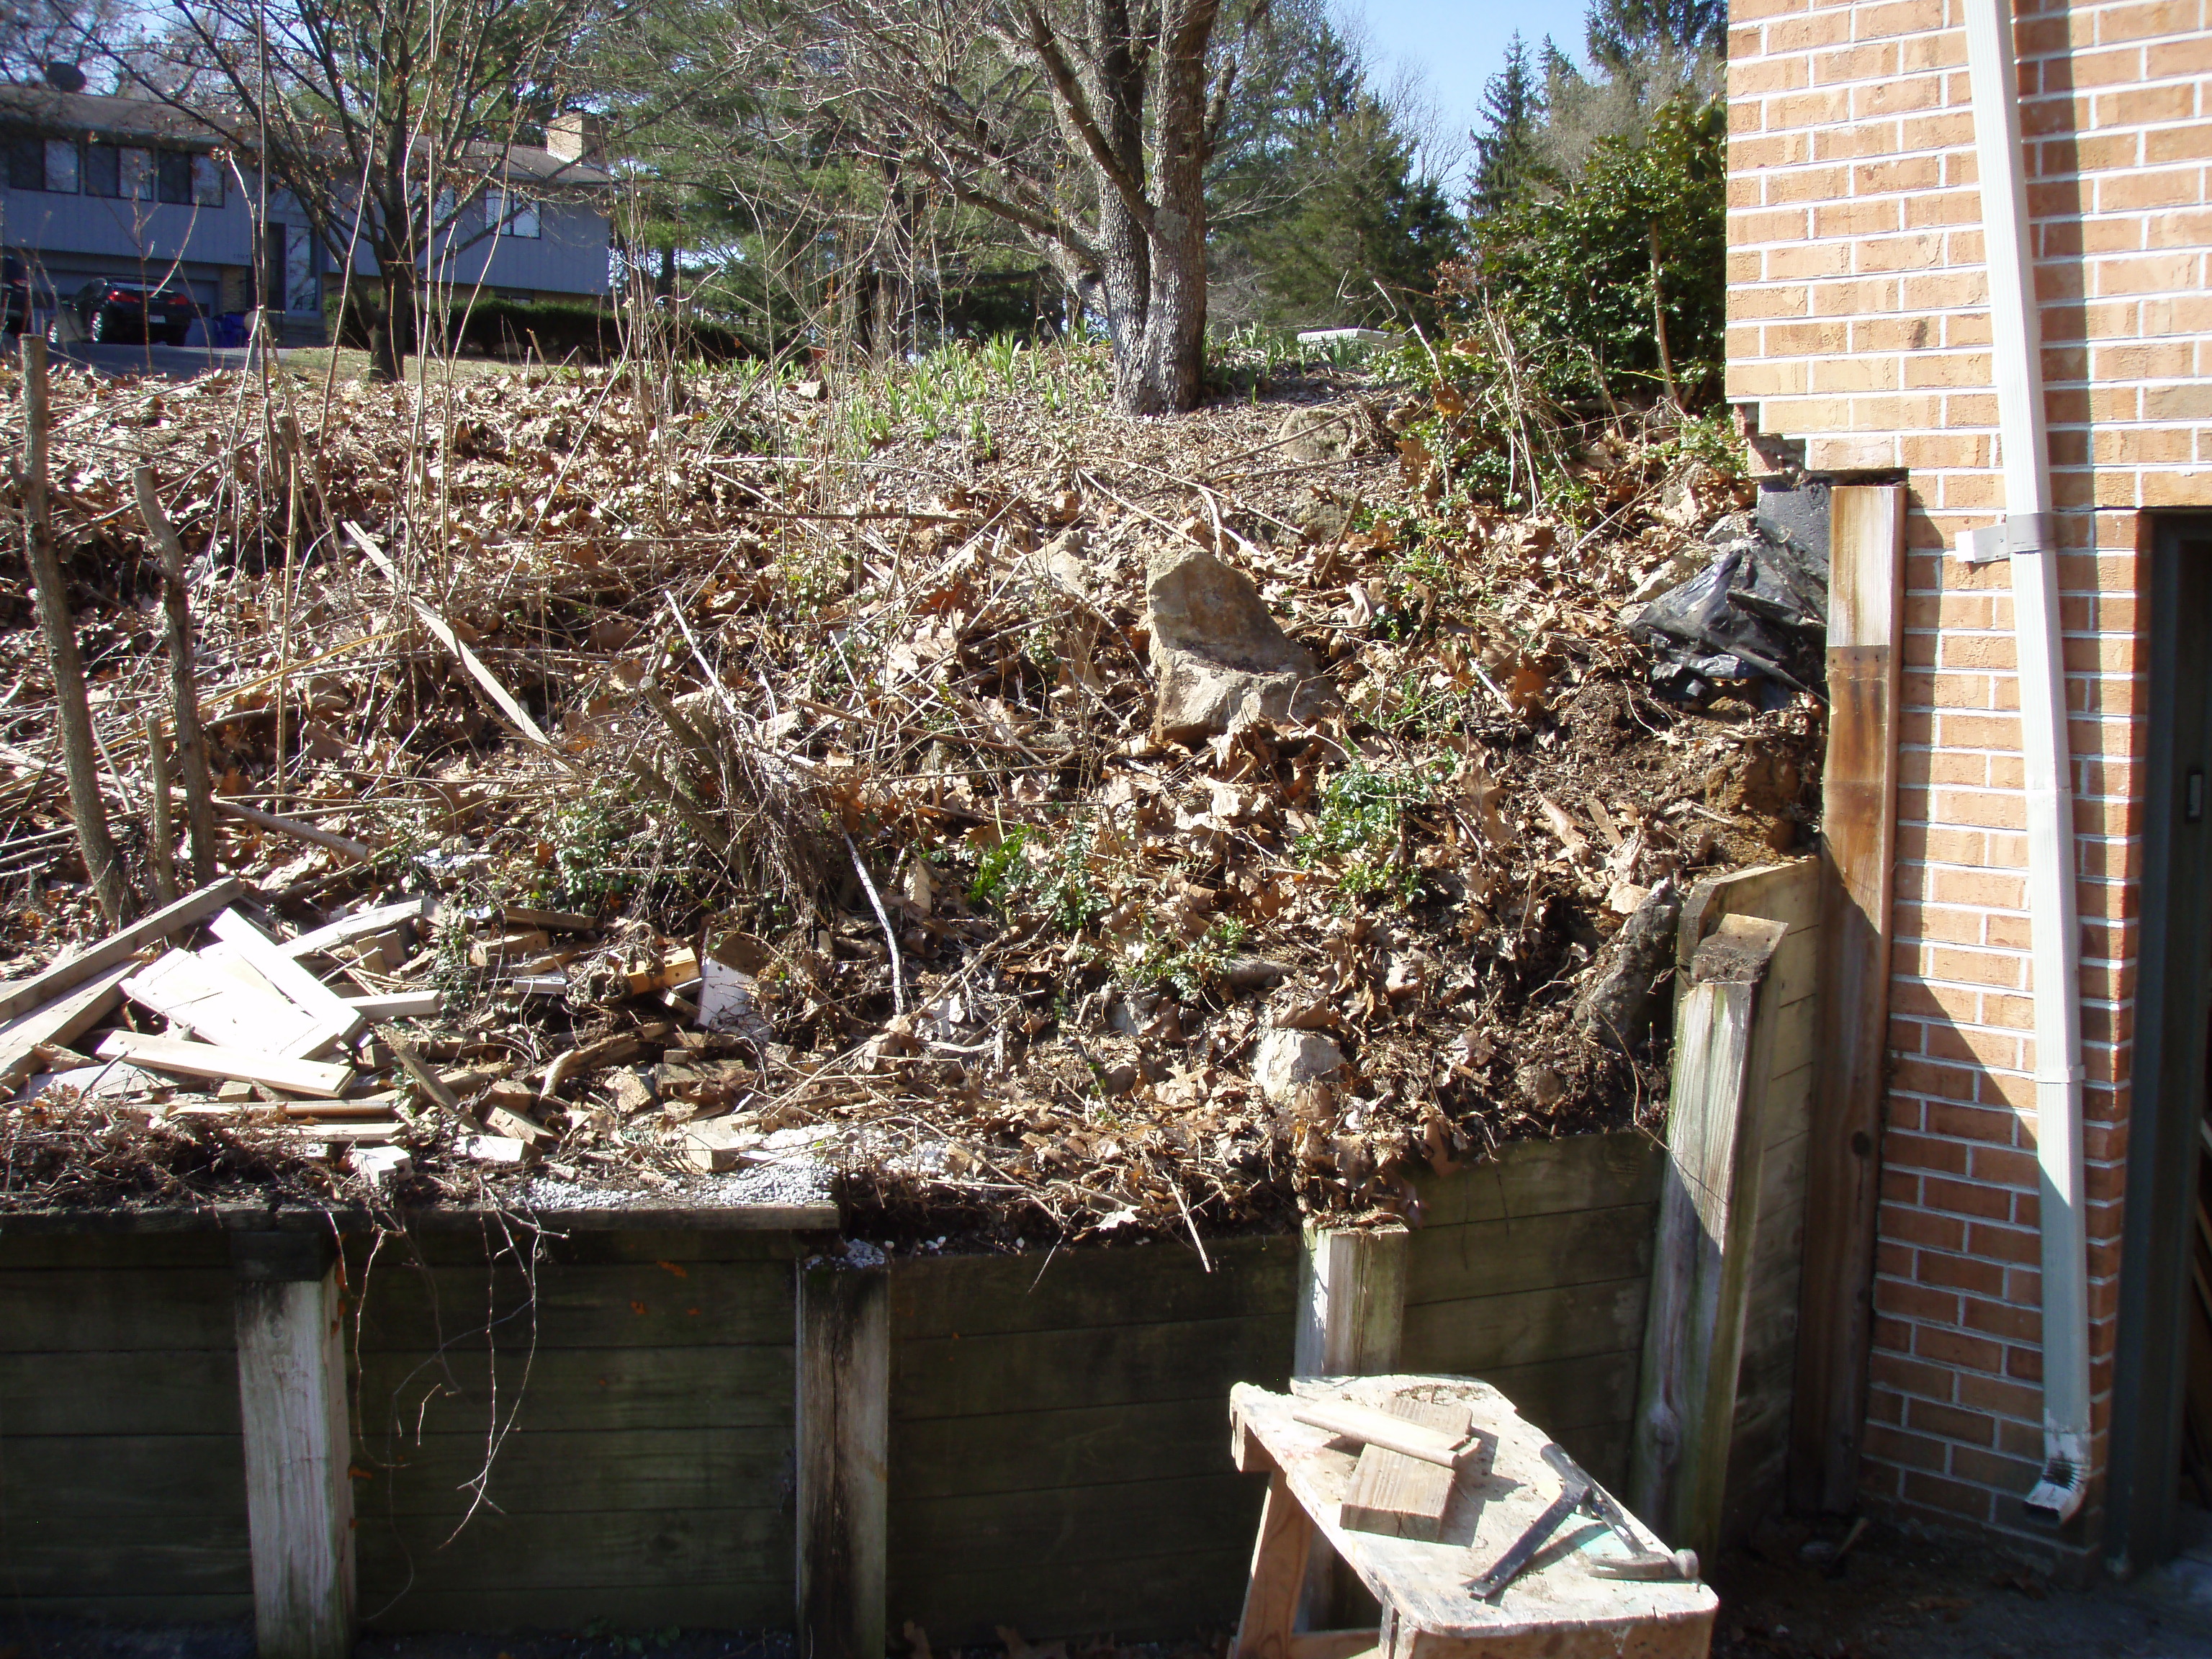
(1403, 1496)
(376, 920)
(291, 1077)
(65, 1019)
(216, 1006)
(330, 1011)
(116, 948)
(1858, 840)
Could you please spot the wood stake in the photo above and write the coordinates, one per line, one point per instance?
(165, 829)
(73, 711)
(183, 694)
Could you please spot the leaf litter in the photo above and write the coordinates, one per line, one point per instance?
(773, 770)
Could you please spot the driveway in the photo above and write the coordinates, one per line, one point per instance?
(174, 363)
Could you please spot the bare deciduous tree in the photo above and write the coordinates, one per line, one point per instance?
(1087, 125)
(388, 122)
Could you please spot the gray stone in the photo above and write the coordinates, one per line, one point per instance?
(1287, 1062)
(1630, 983)
(1218, 654)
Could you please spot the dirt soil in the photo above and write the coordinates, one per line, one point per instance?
(844, 687)
(1897, 1596)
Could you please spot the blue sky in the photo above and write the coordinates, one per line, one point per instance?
(1455, 45)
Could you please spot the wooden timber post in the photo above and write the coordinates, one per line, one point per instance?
(292, 1401)
(1351, 1300)
(843, 1372)
(1858, 840)
(1352, 1323)
(1724, 1031)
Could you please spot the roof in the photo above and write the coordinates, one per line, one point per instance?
(150, 117)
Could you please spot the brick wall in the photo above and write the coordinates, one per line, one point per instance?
(1857, 326)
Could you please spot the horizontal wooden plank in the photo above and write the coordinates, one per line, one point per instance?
(1161, 1598)
(989, 1376)
(1028, 1451)
(65, 1310)
(146, 1391)
(1021, 1533)
(575, 1389)
(980, 1295)
(113, 1555)
(1492, 1258)
(1487, 1334)
(674, 1548)
(615, 1306)
(180, 1477)
(126, 1608)
(1543, 1177)
(551, 1474)
(1566, 1394)
(725, 1601)
(132, 1252)
(488, 1238)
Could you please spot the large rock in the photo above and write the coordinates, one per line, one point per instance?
(1218, 656)
(1287, 1062)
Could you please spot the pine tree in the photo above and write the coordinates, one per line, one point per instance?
(1505, 146)
(1624, 35)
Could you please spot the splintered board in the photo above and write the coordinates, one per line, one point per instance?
(1401, 1496)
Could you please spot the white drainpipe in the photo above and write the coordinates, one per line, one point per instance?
(2028, 537)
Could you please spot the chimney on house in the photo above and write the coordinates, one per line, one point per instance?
(576, 135)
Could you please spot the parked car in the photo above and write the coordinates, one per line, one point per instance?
(14, 295)
(105, 312)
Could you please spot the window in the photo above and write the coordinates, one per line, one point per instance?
(27, 163)
(103, 170)
(135, 169)
(513, 215)
(173, 171)
(61, 166)
(207, 181)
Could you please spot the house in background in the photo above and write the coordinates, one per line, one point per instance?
(130, 190)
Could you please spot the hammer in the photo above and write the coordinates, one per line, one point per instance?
(1642, 1563)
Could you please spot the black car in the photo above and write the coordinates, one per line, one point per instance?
(105, 312)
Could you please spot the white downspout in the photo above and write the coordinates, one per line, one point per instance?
(2028, 536)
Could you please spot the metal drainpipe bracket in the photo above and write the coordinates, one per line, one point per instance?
(2016, 533)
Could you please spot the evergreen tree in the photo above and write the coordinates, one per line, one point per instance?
(1505, 145)
(1622, 36)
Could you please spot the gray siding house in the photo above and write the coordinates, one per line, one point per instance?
(128, 189)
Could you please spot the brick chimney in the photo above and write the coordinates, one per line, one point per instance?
(576, 135)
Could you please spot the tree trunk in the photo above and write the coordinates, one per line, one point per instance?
(394, 333)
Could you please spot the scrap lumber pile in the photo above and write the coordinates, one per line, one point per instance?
(1054, 824)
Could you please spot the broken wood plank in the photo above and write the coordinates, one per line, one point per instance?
(269, 960)
(214, 1007)
(404, 1004)
(434, 1087)
(375, 919)
(116, 948)
(1404, 1497)
(65, 1019)
(291, 1077)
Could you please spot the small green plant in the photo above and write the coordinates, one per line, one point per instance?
(1052, 874)
(1361, 832)
(1188, 969)
(592, 840)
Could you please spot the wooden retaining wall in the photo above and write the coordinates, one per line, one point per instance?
(1059, 1440)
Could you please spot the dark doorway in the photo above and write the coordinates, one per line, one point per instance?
(2162, 1383)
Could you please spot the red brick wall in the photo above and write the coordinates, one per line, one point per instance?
(1858, 325)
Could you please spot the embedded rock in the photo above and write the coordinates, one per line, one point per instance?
(1219, 657)
(1287, 1061)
